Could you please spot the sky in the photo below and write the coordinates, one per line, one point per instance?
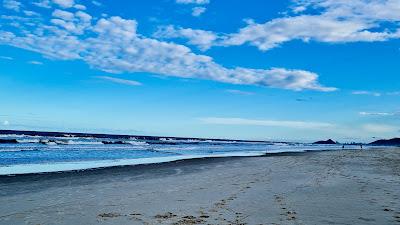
(290, 70)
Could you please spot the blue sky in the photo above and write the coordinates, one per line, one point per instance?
(296, 70)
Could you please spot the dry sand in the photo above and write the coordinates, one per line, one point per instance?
(341, 187)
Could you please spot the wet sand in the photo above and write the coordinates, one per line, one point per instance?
(336, 187)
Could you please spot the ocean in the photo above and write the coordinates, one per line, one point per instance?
(39, 152)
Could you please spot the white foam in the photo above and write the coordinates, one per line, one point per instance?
(71, 142)
(12, 136)
(72, 166)
(137, 143)
(28, 140)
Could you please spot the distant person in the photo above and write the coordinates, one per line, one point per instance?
(343, 147)
(361, 146)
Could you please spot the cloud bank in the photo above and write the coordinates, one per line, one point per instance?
(269, 123)
(328, 128)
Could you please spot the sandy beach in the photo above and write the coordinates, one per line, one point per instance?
(331, 187)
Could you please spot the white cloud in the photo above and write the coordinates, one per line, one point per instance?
(200, 38)
(120, 81)
(371, 93)
(42, 4)
(376, 94)
(31, 13)
(113, 45)
(80, 7)
(332, 21)
(6, 58)
(197, 2)
(306, 28)
(12, 5)
(239, 92)
(63, 14)
(268, 123)
(198, 11)
(82, 16)
(377, 114)
(6, 123)
(35, 63)
(64, 3)
(339, 21)
(380, 128)
(299, 9)
(73, 22)
(96, 3)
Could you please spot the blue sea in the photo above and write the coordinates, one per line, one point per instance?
(40, 154)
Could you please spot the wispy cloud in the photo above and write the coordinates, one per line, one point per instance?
(376, 94)
(120, 81)
(364, 131)
(12, 5)
(42, 3)
(80, 7)
(97, 3)
(377, 114)
(380, 128)
(198, 11)
(267, 123)
(6, 58)
(394, 93)
(371, 93)
(31, 13)
(197, 2)
(35, 63)
(65, 3)
(200, 38)
(239, 92)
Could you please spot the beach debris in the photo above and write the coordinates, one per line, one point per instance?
(109, 215)
(167, 215)
(187, 220)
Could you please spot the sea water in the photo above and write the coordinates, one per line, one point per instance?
(39, 154)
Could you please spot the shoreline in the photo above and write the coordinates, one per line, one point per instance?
(328, 187)
(62, 167)
(144, 166)
(25, 169)
(97, 170)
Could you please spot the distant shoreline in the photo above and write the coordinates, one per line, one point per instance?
(380, 142)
